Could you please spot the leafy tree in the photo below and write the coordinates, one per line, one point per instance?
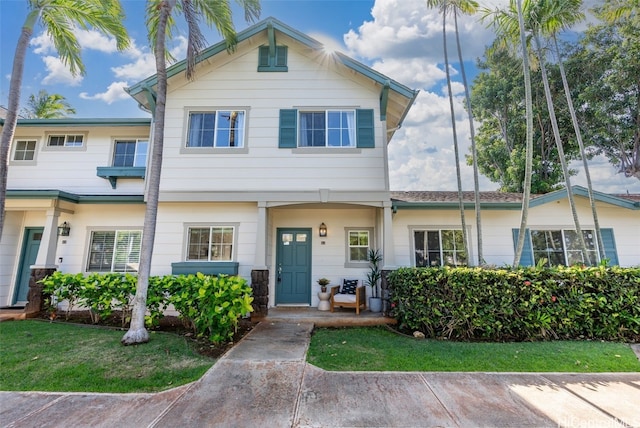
(48, 106)
(60, 18)
(604, 69)
(498, 99)
(159, 23)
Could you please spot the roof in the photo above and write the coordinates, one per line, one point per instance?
(72, 121)
(500, 200)
(400, 95)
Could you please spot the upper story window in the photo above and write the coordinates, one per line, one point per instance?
(330, 128)
(562, 247)
(272, 58)
(130, 152)
(214, 243)
(65, 140)
(222, 128)
(25, 150)
(439, 248)
(114, 251)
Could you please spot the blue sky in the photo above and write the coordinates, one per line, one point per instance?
(400, 38)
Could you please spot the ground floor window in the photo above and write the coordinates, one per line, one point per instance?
(562, 247)
(114, 251)
(358, 243)
(440, 247)
(214, 243)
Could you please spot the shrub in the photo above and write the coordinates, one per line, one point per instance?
(209, 306)
(518, 304)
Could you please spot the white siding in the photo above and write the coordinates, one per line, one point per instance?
(497, 226)
(9, 254)
(70, 169)
(263, 166)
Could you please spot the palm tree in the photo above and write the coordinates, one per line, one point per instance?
(536, 14)
(506, 33)
(60, 18)
(159, 24)
(613, 10)
(48, 106)
(563, 14)
(444, 7)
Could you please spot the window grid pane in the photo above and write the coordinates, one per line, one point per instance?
(56, 140)
(210, 244)
(114, 251)
(358, 245)
(435, 248)
(25, 150)
(125, 153)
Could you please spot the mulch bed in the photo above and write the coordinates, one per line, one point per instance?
(168, 324)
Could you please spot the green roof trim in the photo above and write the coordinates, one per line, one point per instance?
(73, 198)
(440, 205)
(72, 121)
(584, 192)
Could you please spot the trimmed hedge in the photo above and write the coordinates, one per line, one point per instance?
(518, 304)
(210, 306)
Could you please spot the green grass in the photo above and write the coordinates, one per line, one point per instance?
(378, 349)
(42, 356)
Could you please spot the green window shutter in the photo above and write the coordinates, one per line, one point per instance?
(287, 138)
(609, 243)
(365, 136)
(263, 56)
(281, 56)
(527, 255)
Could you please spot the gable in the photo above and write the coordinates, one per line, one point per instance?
(270, 42)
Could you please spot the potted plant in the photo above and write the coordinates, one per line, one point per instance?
(373, 279)
(323, 284)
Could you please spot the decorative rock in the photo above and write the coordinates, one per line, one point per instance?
(418, 335)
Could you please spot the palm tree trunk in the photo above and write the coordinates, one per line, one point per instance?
(455, 135)
(585, 163)
(563, 160)
(137, 332)
(474, 151)
(13, 104)
(526, 194)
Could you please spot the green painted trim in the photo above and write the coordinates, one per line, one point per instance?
(73, 198)
(454, 205)
(112, 173)
(152, 96)
(271, 35)
(582, 191)
(384, 100)
(207, 268)
(84, 122)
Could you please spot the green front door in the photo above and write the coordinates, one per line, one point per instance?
(293, 267)
(28, 255)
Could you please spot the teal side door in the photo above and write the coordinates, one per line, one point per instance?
(28, 255)
(293, 266)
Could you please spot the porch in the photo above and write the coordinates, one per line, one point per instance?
(339, 318)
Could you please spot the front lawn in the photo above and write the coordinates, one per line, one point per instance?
(379, 349)
(42, 356)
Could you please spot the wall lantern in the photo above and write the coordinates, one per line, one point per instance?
(64, 229)
(322, 231)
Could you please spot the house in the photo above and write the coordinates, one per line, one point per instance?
(275, 169)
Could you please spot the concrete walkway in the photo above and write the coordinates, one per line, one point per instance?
(265, 381)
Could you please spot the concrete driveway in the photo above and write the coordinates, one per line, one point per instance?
(265, 381)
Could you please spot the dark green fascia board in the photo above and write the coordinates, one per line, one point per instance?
(219, 47)
(73, 198)
(69, 121)
(384, 100)
(378, 77)
(112, 173)
(582, 191)
(396, 206)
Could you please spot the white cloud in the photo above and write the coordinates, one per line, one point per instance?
(142, 67)
(59, 73)
(114, 92)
